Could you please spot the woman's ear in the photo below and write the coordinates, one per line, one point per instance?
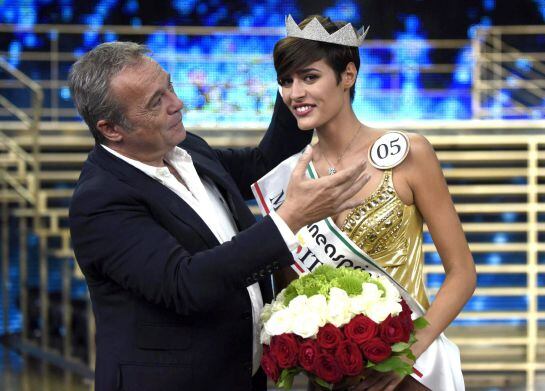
(349, 75)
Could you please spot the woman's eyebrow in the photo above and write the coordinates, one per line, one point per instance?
(306, 70)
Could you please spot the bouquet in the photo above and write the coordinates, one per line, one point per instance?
(334, 323)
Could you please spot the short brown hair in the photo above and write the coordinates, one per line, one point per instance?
(291, 54)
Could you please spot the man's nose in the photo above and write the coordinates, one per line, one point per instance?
(298, 90)
(176, 105)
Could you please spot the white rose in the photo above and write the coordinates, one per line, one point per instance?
(338, 307)
(394, 307)
(264, 337)
(279, 323)
(278, 305)
(306, 324)
(266, 313)
(318, 305)
(378, 311)
(391, 291)
(371, 292)
(358, 304)
(280, 296)
(298, 304)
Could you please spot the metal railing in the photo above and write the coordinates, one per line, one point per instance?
(64, 41)
(20, 174)
(508, 72)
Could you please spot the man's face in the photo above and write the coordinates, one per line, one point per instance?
(151, 107)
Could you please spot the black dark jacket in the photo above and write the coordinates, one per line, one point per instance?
(171, 305)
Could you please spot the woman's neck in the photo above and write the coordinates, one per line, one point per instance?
(335, 135)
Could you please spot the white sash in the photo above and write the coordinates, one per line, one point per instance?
(323, 242)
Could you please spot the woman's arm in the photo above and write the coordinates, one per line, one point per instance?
(434, 202)
(424, 178)
(282, 140)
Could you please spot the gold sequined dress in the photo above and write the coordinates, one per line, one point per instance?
(391, 233)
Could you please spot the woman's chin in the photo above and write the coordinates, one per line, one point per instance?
(306, 125)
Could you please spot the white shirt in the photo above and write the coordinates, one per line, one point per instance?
(203, 196)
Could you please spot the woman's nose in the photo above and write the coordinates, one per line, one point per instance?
(297, 90)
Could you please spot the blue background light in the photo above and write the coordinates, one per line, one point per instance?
(229, 80)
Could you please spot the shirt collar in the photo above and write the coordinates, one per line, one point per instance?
(176, 155)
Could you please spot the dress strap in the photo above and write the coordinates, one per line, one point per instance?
(387, 178)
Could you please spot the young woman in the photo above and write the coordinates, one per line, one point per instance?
(317, 82)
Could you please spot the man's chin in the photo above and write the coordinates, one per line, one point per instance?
(183, 135)
(179, 135)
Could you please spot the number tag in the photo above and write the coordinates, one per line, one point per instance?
(389, 150)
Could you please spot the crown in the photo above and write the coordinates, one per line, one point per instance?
(347, 35)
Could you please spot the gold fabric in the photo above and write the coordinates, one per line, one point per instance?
(391, 233)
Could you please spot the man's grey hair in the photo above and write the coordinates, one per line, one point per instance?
(89, 80)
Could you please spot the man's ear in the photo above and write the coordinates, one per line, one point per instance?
(111, 132)
(349, 75)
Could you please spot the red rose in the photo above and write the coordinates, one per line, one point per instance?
(284, 349)
(326, 368)
(392, 330)
(360, 329)
(269, 365)
(329, 336)
(349, 357)
(406, 317)
(376, 350)
(406, 310)
(308, 351)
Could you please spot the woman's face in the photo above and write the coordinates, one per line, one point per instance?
(313, 95)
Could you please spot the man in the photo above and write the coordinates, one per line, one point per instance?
(169, 250)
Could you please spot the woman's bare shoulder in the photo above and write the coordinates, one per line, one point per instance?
(421, 150)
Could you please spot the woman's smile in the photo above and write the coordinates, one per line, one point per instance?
(302, 110)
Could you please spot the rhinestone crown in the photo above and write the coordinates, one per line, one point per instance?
(347, 35)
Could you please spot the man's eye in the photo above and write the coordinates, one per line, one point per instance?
(170, 87)
(157, 101)
(311, 77)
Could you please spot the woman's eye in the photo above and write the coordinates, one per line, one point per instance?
(311, 77)
(170, 87)
(284, 82)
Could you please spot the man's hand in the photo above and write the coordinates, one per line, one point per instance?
(311, 200)
(377, 381)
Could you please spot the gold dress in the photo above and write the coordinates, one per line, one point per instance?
(390, 232)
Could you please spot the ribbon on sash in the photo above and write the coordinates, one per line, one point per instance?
(324, 243)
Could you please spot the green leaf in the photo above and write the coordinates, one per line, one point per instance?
(370, 364)
(420, 323)
(411, 356)
(394, 363)
(400, 347)
(323, 383)
(412, 339)
(285, 380)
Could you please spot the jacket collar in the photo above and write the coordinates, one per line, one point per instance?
(156, 191)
